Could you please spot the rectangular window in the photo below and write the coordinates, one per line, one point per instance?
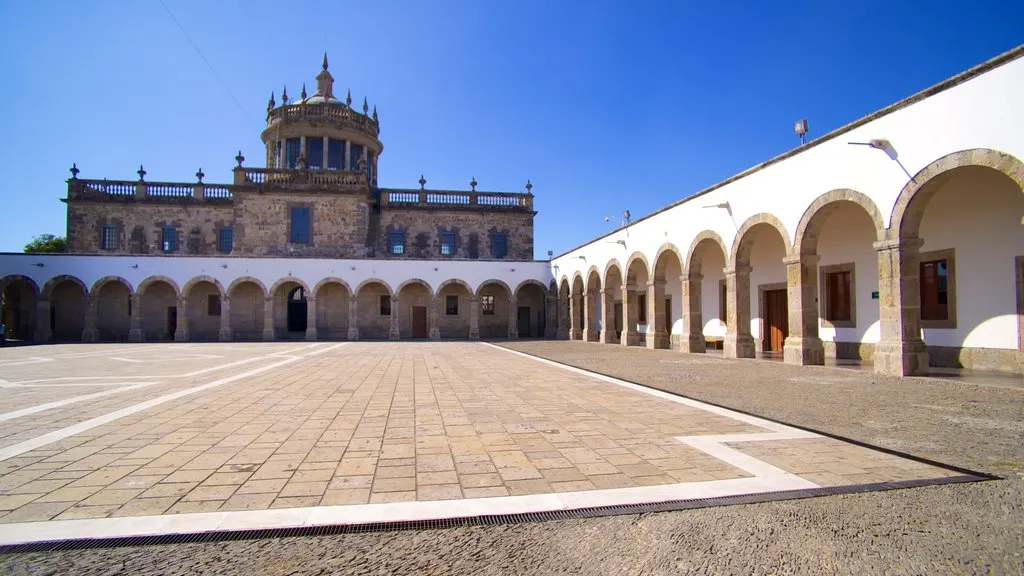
(641, 302)
(935, 290)
(300, 232)
(169, 239)
(499, 245)
(487, 305)
(357, 153)
(385, 305)
(213, 305)
(447, 243)
(723, 301)
(396, 242)
(838, 304)
(335, 154)
(451, 305)
(109, 239)
(225, 239)
(292, 148)
(315, 153)
(369, 165)
(277, 154)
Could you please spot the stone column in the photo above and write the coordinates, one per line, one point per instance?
(608, 333)
(513, 318)
(135, 333)
(563, 318)
(181, 333)
(630, 316)
(433, 318)
(657, 323)
(268, 319)
(900, 350)
(393, 332)
(348, 155)
(225, 334)
(692, 339)
(738, 341)
(302, 149)
(575, 330)
(353, 317)
(474, 317)
(323, 161)
(89, 332)
(43, 332)
(590, 302)
(311, 318)
(550, 317)
(802, 346)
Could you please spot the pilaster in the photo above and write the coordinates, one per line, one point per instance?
(803, 346)
(43, 333)
(563, 318)
(89, 331)
(692, 339)
(393, 332)
(181, 332)
(900, 350)
(268, 320)
(630, 316)
(353, 317)
(550, 317)
(135, 333)
(432, 318)
(590, 302)
(311, 333)
(474, 317)
(738, 341)
(657, 323)
(575, 317)
(608, 333)
(225, 334)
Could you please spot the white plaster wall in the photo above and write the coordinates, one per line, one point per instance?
(847, 236)
(766, 268)
(983, 112)
(713, 271)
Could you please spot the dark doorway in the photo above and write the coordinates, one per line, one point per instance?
(419, 321)
(172, 321)
(776, 320)
(523, 322)
(297, 310)
(618, 319)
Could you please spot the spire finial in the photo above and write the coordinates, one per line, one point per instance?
(303, 93)
(348, 99)
(366, 107)
(271, 103)
(239, 158)
(374, 112)
(74, 171)
(284, 95)
(324, 65)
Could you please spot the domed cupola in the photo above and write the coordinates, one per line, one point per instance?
(321, 132)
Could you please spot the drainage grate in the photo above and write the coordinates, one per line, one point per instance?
(487, 520)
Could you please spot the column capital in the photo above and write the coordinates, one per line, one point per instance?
(898, 244)
(656, 283)
(691, 277)
(738, 270)
(801, 259)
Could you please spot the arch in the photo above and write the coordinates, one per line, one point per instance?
(196, 280)
(12, 278)
(150, 280)
(454, 281)
(809, 229)
(742, 244)
(99, 284)
(282, 281)
(330, 280)
(693, 260)
(242, 279)
(563, 285)
(613, 263)
(659, 262)
(369, 281)
(411, 281)
(528, 281)
(908, 211)
(634, 258)
(501, 283)
(593, 272)
(52, 282)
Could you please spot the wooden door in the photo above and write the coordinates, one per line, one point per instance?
(776, 320)
(172, 321)
(523, 321)
(419, 321)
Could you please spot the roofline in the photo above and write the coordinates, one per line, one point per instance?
(991, 64)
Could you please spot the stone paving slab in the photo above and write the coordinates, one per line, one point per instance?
(378, 423)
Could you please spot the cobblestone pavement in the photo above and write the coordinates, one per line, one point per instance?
(958, 528)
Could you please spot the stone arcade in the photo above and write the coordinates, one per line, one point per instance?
(826, 251)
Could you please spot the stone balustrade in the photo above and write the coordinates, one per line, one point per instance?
(341, 116)
(287, 177)
(81, 189)
(455, 199)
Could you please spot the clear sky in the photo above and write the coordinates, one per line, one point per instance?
(605, 106)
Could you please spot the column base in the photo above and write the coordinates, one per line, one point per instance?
(393, 334)
(225, 335)
(803, 351)
(741, 346)
(631, 339)
(181, 335)
(590, 336)
(658, 341)
(474, 333)
(608, 337)
(353, 333)
(896, 358)
(576, 335)
(90, 335)
(136, 335)
(435, 333)
(268, 335)
(562, 335)
(693, 344)
(311, 334)
(513, 333)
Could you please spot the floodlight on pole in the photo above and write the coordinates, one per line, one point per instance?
(800, 127)
(887, 147)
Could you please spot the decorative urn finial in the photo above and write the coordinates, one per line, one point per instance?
(529, 186)
(74, 171)
(199, 175)
(423, 182)
(303, 93)
(348, 99)
(366, 107)
(472, 184)
(239, 158)
(142, 173)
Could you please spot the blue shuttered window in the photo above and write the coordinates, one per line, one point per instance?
(225, 240)
(499, 245)
(300, 228)
(169, 239)
(396, 243)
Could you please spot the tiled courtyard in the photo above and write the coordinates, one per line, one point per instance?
(180, 437)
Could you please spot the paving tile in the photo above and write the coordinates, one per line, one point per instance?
(438, 492)
(345, 496)
(292, 489)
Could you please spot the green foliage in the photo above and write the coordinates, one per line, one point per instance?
(47, 244)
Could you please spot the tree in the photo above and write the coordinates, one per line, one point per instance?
(47, 243)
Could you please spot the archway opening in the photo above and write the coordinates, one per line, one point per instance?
(204, 309)
(296, 311)
(493, 299)
(707, 263)
(18, 304)
(113, 311)
(247, 310)
(158, 310)
(332, 302)
(67, 311)
(531, 314)
(613, 305)
(414, 301)
(374, 310)
(668, 270)
(455, 310)
(634, 326)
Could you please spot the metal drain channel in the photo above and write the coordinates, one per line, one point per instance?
(485, 520)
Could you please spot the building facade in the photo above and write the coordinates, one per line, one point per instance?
(897, 240)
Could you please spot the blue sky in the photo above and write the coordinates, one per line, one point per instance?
(605, 106)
